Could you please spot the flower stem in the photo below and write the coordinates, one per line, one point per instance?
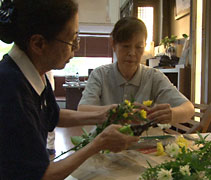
(72, 149)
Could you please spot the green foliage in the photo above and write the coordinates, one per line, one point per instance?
(126, 130)
(83, 140)
(166, 41)
(199, 162)
(122, 114)
(185, 36)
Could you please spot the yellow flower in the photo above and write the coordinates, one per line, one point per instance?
(147, 103)
(160, 149)
(125, 115)
(127, 102)
(114, 110)
(143, 113)
(182, 142)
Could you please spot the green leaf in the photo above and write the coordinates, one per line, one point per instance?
(76, 140)
(85, 132)
(157, 137)
(126, 130)
(185, 36)
(149, 163)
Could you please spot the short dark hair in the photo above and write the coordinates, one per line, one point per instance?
(44, 17)
(126, 27)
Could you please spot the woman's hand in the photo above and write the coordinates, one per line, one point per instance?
(111, 139)
(141, 106)
(102, 115)
(161, 113)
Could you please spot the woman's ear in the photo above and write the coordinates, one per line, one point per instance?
(37, 44)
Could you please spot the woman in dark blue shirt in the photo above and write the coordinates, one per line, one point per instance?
(44, 33)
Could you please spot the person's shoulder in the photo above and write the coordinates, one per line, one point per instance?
(152, 73)
(150, 70)
(104, 69)
(8, 69)
(10, 74)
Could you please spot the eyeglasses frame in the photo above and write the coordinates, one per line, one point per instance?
(74, 44)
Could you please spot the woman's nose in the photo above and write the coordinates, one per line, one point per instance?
(132, 51)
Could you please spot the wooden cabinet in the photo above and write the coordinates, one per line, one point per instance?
(73, 95)
(181, 78)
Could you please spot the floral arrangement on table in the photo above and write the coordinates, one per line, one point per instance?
(187, 164)
(123, 114)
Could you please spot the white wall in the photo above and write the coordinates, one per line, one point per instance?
(98, 15)
(92, 11)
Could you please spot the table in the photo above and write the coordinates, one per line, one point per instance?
(126, 165)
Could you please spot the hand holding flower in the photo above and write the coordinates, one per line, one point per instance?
(161, 113)
(113, 140)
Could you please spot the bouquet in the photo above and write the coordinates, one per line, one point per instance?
(124, 114)
(187, 164)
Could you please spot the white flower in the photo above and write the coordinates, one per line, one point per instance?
(172, 150)
(185, 170)
(164, 126)
(141, 178)
(165, 175)
(201, 175)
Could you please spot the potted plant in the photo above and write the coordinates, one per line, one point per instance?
(168, 44)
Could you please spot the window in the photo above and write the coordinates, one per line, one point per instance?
(81, 65)
(95, 50)
(198, 70)
(4, 48)
(94, 45)
(147, 16)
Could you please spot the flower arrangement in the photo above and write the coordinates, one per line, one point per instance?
(125, 113)
(187, 164)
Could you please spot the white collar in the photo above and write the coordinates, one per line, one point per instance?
(28, 69)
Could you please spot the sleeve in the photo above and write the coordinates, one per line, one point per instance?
(93, 90)
(165, 92)
(22, 148)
